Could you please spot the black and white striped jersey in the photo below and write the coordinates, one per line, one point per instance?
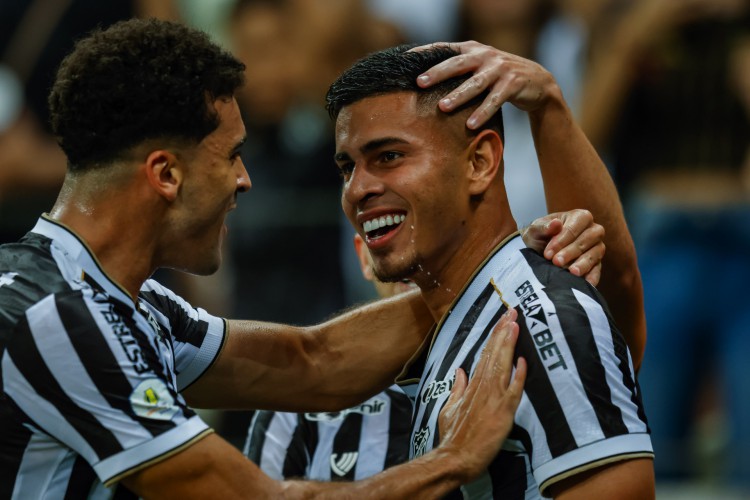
(340, 446)
(90, 378)
(581, 406)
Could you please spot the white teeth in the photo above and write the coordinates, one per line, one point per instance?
(388, 220)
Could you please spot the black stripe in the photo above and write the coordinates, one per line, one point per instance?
(518, 433)
(122, 493)
(347, 441)
(444, 363)
(101, 364)
(508, 474)
(399, 428)
(256, 438)
(183, 327)
(542, 395)
(23, 351)
(580, 339)
(470, 359)
(297, 458)
(14, 438)
(82, 480)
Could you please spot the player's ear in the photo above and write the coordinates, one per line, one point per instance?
(485, 154)
(164, 173)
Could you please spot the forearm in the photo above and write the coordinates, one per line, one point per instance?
(325, 367)
(575, 177)
(430, 476)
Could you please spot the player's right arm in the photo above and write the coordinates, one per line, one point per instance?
(473, 429)
(326, 367)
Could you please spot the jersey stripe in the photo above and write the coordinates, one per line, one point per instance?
(14, 438)
(346, 443)
(543, 398)
(72, 399)
(257, 435)
(297, 459)
(576, 411)
(30, 365)
(82, 479)
(76, 319)
(336, 446)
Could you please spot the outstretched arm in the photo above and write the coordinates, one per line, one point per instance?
(472, 429)
(574, 176)
(325, 367)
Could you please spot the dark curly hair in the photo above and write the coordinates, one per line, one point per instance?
(394, 70)
(138, 80)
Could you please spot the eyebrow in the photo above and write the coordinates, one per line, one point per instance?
(371, 146)
(239, 145)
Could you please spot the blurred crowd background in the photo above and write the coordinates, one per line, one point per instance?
(661, 87)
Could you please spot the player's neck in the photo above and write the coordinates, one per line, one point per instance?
(441, 283)
(120, 231)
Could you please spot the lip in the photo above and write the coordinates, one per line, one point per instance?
(385, 240)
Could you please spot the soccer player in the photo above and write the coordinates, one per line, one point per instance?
(99, 363)
(580, 431)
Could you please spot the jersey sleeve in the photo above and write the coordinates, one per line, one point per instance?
(581, 406)
(276, 445)
(94, 376)
(197, 336)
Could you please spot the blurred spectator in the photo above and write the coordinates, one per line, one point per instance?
(421, 21)
(293, 49)
(537, 30)
(667, 100)
(284, 239)
(34, 37)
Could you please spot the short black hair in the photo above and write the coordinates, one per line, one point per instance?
(137, 80)
(396, 70)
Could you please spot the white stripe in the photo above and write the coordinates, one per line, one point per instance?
(41, 411)
(62, 360)
(278, 437)
(374, 440)
(148, 450)
(527, 418)
(593, 453)
(45, 469)
(621, 396)
(320, 465)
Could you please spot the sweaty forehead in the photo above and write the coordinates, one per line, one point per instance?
(393, 115)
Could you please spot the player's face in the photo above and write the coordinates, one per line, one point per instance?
(214, 174)
(404, 188)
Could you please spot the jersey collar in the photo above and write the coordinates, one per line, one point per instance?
(77, 251)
